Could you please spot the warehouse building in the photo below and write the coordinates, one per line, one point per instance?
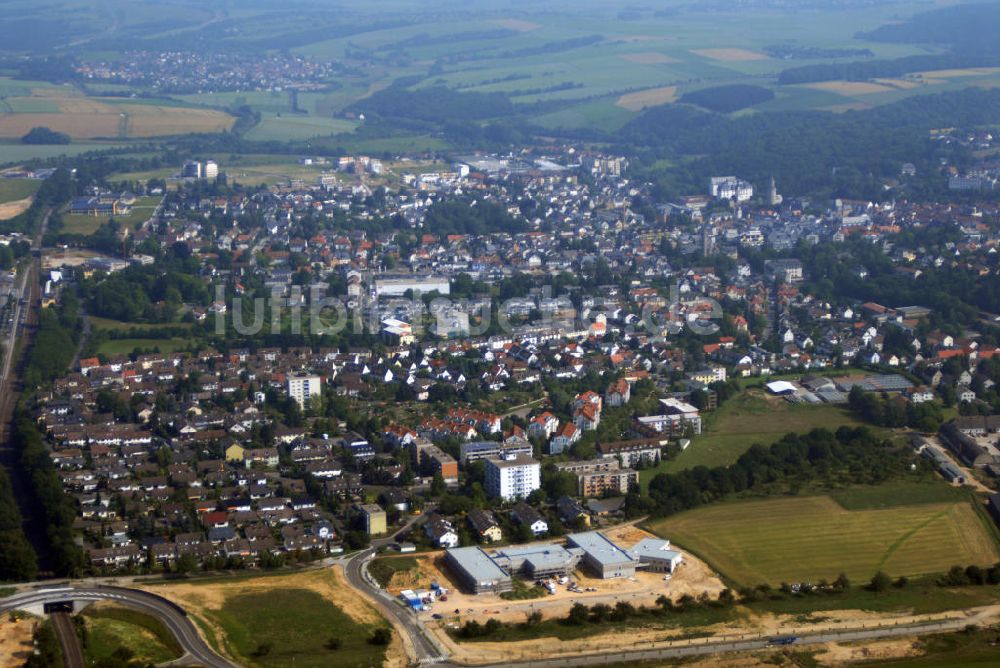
(603, 557)
(538, 561)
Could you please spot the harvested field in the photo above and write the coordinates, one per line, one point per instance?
(849, 88)
(729, 55)
(957, 73)
(10, 209)
(647, 98)
(15, 641)
(83, 118)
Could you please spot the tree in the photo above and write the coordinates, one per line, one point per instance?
(842, 582)
(880, 582)
(381, 636)
(43, 135)
(334, 643)
(578, 614)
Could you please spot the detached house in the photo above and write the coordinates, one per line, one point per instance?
(485, 525)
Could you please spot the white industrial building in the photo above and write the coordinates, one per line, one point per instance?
(396, 285)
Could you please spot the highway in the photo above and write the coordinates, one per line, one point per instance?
(196, 651)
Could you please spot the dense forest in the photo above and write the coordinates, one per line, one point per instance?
(727, 99)
(434, 105)
(969, 30)
(889, 68)
(17, 558)
(807, 151)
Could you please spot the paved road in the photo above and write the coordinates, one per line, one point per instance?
(196, 651)
(426, 649)
(686, 648)
(68, 640)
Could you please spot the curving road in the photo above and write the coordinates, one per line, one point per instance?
(429, 651)
(196, 651)
(356, 571)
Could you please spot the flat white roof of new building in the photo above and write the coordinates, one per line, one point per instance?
(654, 548)
(477, 564)
(600, 548)
(780, 387)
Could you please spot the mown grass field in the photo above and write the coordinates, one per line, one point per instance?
(121, 326)
(126, 346)
(110, 628)
(296, 625)
(903, 530)
(12, 190)
(293, 127)
(748, 418)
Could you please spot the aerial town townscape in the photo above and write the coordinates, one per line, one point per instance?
(336, 346)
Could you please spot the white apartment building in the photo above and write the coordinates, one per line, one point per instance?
(513, 478)
(303, 387)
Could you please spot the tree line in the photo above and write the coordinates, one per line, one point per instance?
(848, 456)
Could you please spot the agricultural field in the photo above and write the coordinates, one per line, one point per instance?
(284, 620)
(567, 65)
(294, 127)
(13, 152)
(16, 196)
(25, 105)
(749, 418)
(110, 628)
(909, 530)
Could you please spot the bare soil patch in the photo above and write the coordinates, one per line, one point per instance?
(647, 98)
(729, 55)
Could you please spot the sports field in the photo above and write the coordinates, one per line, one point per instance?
(806, 539)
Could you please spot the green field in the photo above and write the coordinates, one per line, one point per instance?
(293, 127)
(906, 530)
(748, 418)
(291, 627)
(120, 326)
(111, 347)
(111, 628)
(12, 190)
